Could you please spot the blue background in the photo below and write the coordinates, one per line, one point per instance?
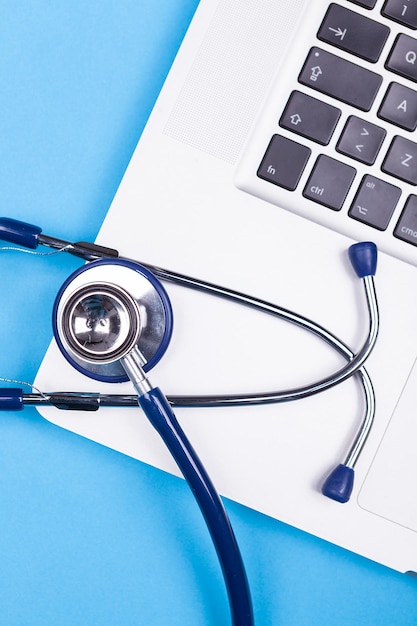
(88, 536)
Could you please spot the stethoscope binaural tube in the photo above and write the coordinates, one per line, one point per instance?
(363, 257)
(99, 324)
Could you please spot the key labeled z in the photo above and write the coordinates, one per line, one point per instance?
(405, 160)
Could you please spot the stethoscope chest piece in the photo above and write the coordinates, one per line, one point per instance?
(106, 309)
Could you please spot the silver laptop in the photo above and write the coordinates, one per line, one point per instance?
(283, 134)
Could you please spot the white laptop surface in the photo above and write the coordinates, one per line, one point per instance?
(192, 201)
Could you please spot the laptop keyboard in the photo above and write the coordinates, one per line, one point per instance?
(344, 137)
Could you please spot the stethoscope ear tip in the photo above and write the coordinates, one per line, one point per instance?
(363, 257)
(339, 484)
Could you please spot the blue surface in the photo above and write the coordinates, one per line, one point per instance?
(88, 536)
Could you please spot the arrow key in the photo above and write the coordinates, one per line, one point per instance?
(310, 117)
(361, 140)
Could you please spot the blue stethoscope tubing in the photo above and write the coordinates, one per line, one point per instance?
(160, 414)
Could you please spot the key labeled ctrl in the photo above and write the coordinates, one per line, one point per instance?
(329, 182)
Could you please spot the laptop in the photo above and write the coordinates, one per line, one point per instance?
(283, 134)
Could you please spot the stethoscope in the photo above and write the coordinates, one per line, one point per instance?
(112, 321)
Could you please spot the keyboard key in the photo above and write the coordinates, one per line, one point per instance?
(284, 162)
(402, 11)
(375, 202)
(361, 140)
(340, 79)
(403, 57)
(329, 182)
(310, 118)
(366, 4)
(401, 160)
(400, 106)
(406, 229)
(353, 32)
